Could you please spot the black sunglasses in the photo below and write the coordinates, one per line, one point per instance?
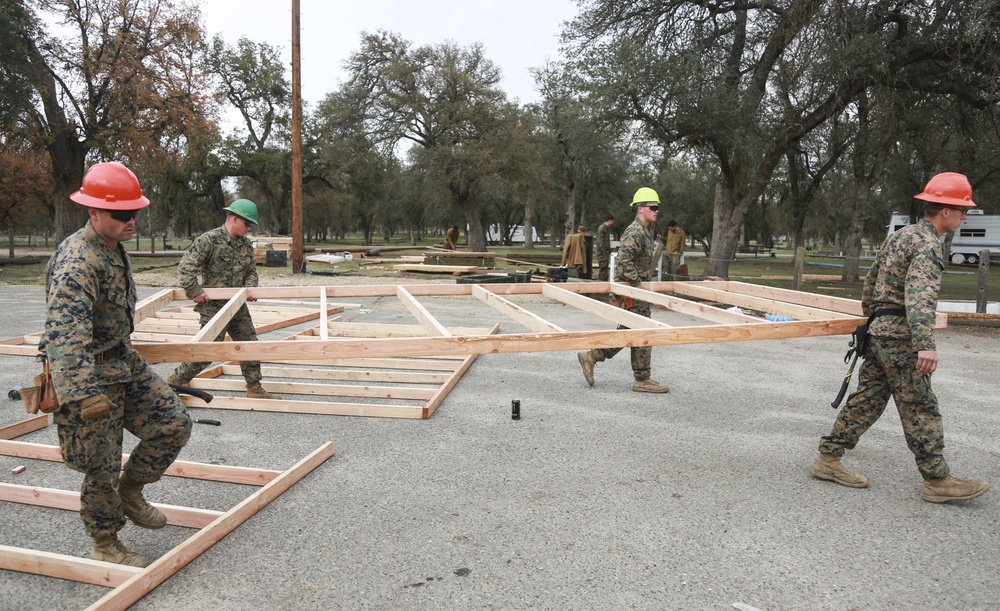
(123, 216)
(653, 208)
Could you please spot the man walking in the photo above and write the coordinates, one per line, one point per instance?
(103, 385)
(603, 248)
(901, 293)
(635, 258)
(223, 257)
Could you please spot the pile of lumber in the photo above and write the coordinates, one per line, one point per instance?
(459, 257)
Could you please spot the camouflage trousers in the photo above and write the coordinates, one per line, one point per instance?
(641, 355)
(603, 271)
(240, 328)
(890, 370)
(145, 407)
(673, 269)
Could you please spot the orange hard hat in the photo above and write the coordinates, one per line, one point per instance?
(949, 189)
(110, 186)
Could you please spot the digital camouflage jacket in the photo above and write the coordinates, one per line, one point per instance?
(220, 260)
(635, 255)
(91, 299)
(603, 245)
(906, 274)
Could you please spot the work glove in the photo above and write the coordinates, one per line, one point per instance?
(95, 407)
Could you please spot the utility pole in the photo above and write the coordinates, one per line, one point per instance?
(298, 261)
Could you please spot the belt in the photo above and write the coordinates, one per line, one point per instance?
(112, 354)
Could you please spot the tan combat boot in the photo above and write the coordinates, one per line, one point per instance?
(649, 386)
(256, 391)
(136, 508)
(110, 549)
(953, 489)
(587, 360)
(827, 466)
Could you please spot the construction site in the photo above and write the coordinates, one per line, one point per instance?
(437, 446)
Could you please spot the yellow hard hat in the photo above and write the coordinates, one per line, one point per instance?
(645, 195)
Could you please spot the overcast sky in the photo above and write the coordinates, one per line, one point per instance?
(517, 34)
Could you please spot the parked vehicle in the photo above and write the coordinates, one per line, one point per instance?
(977, 232)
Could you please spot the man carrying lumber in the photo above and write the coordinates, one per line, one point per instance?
(635, 258)
(224, 258)
(103, 385)
(900, 295)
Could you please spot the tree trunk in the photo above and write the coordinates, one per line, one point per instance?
(727, 220)
(529, 231)
(475, 233)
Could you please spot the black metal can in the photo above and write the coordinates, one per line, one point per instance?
(515, 410)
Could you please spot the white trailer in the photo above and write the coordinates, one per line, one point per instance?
(977, 232)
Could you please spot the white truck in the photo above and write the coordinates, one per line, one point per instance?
(977, 232)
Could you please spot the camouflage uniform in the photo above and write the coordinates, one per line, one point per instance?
(223, 262)
(91, 300)
(632, 266)
(603, 248)
(906, 273)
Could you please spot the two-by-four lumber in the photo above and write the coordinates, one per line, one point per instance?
(610, 312)
(428, 322)
(685, 306)
(218, 323)
(316, 351)
(156, 573)
(324, 408)
(179, 468)
(763, 304)
(61, 566)
(514, 311)
(28, 425)
(63, 499)
(324, 390)
(349, 375)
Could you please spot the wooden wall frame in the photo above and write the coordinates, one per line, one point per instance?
(132, 583)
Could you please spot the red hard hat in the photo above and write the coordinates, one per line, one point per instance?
(950, 189)
(110, 186)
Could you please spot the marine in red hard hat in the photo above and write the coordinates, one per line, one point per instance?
(110, 186)
(949, 189)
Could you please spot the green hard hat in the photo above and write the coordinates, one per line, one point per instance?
(243, 208)
(645, 195)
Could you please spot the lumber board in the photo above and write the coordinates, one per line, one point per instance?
(179, 468)
(763, 304)
(514, 312)
(156, 573)
(326, 390)
(214, 327)
(973, 318)
(65, 499)
(426, 320)
(685, 306)
(377, 363)
(152, 304)
(434, 402)
(327, 408)
(439, 269)
(341, 349)
(357, 375)
(348, 329)
(84, 570)
(28, 425)
(615, 314)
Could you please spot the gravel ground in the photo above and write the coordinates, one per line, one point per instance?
(597, 498)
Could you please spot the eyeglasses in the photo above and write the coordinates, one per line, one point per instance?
(961, 211)
(123, 216)
(652, 208)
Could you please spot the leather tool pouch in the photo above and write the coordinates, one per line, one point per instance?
(42, 396)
